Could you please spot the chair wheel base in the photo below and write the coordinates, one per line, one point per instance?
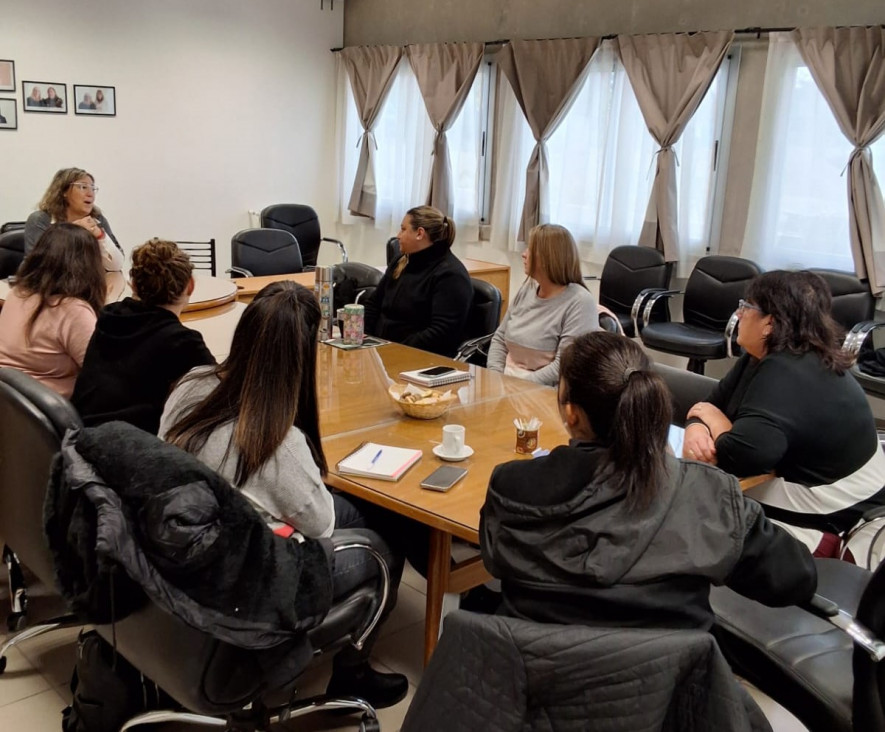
(369, 724)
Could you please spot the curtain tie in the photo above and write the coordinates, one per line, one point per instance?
(658, 152)
(367, 133)
(858, 151)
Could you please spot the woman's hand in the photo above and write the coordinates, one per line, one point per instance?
(698, 444)
(711, 416)
(91, 225)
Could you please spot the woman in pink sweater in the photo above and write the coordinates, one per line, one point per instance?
(50, 313)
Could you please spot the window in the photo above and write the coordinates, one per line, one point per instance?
(799, 202)
(602, 160)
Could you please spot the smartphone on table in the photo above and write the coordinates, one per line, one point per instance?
(443, 478)
(436, 371)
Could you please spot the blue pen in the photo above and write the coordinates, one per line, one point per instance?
(375, 459)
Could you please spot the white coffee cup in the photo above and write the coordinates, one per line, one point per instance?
(453, 439)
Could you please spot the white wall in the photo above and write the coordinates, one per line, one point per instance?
(222, 106)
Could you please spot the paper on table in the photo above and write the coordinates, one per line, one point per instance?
(675, 438)
(390, 464)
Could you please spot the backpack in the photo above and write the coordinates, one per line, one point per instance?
(107, 690)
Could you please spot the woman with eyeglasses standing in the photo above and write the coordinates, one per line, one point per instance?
(70, 198)
(790, 407)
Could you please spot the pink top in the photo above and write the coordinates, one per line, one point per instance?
(54, 352)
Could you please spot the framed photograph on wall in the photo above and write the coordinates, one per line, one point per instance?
(7, 75)
(95, 100)
(8, 114)
(44, 96)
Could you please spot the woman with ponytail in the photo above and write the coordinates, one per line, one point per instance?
(140, 348)
(254, 420)
(612, 530)
(425, 296)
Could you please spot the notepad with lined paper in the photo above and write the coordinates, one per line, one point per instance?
(383, 462)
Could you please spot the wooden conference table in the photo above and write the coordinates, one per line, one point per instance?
(495, 274)
(355, 408)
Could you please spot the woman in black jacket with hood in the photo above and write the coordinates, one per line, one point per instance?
(611, 530)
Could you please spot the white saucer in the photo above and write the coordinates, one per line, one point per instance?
(438, 451)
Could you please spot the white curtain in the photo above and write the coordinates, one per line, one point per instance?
(798, 213)
(404, 137)
(601, 161)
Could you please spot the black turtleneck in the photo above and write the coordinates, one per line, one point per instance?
(427, 306)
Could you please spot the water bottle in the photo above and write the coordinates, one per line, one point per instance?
(322, 288)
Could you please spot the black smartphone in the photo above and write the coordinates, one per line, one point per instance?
(443, 478)
(436, 371)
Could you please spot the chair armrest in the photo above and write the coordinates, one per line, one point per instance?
(822, 607)
(860, 634)
(239, 272)
(474, 345)
(340, 245)
(344, 540)
(874, 513)
(729, 333)
(858, 334)
(652, 295)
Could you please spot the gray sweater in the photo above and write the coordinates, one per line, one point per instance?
(535, 331)
(287, 489)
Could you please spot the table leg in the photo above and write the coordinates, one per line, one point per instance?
(438, 568)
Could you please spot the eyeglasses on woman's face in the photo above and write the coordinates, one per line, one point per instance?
(743, 306)
(85, 187)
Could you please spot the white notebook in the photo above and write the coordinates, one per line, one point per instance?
(383, 462)
(435, 376)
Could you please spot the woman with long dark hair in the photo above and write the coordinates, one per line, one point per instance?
(425, 295)
(790, 407)
(254, 419)
(611, 529)
(49, 316)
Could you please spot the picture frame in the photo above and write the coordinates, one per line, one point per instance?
(7, 75)
(8, 114)
(95, 100)
(44, 96)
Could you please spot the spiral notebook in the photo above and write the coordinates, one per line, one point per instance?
(436, 376)
(383, 462)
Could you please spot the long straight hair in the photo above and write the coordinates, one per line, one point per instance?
(553, 251)
(611, 379)
(65, 262)
(266, 385)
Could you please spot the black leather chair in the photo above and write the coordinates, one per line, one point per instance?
(11, 226)
(628, 272)
(33, 420)
(853, 302)
(711, 299)
(353, 282)
(686, 389)
(393, 250)
(302, 222)
(822, 662)
(12, 251)
(201, 253)
(482, 322)
(257, 252)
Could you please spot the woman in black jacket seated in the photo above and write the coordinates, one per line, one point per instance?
(611, 530)
(140, 348)
(790, 407)
(425, 295)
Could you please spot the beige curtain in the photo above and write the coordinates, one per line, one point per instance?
(669, 73)
(848, 65)
(445, 73)
(370, 70)
(545, 76)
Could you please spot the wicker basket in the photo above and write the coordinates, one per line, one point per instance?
(422, 411)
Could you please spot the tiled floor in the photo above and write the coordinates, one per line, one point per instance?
(34, 687)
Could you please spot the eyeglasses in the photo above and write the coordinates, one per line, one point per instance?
(85, 187)
(744, 305)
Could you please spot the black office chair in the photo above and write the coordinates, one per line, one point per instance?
(629, 273)
(393, 250)
(822, 662)
(853, 302)
(686, 389)
(353, 282)
(482, 322)
(301, 221)
(257, 252)
(709, 318)
(33, 420)
(12, 251)
(12, 226)
(201, 253)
